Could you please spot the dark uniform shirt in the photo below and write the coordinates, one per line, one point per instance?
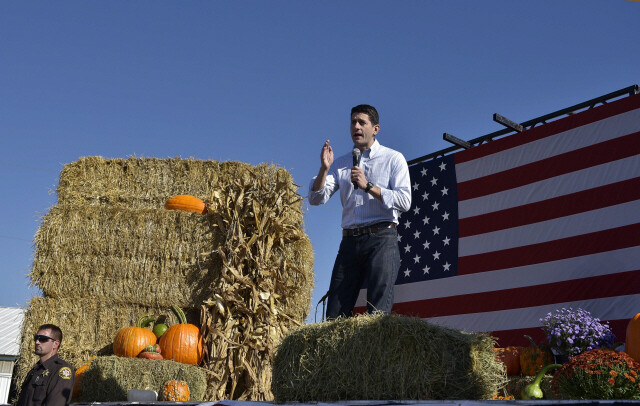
(48, 383)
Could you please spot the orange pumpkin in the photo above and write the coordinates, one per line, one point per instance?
(183, 342)
(175, 391)
(510, 357)
(130, 341)
(186, 203)
(77, 385)
(632, 341)
(534, 358)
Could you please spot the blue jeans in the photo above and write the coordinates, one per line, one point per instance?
(366, 261)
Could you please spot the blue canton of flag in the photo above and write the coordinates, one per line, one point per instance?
(428, 232)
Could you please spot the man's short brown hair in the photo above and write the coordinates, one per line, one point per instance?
(369, 111)
(55, 331)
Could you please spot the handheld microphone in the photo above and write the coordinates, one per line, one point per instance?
(356, 161)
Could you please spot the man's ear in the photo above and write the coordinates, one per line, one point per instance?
(376, 128)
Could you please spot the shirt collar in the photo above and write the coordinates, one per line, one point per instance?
(49, 363)
(375, 147)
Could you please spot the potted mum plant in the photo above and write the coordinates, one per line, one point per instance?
(572, 332)
(598, 374)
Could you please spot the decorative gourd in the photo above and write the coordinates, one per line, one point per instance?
(632, 343)
(533, 390)
(186, 203)
(175, 391)
(159, 329)
(183, 342)
(130, 341)
(510, 357)
(534, 358)
(151, 352)
(77, 385)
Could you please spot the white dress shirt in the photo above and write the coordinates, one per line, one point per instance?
(383, 167)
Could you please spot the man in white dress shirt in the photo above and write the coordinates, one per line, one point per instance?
(373, 194)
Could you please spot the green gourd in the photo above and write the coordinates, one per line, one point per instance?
(533, 391)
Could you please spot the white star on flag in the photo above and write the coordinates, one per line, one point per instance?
(433, 240)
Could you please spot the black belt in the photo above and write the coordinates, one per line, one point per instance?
(352, 232)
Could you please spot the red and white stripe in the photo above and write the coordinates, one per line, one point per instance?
(548, 218)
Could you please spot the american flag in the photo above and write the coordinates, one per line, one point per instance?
(503, 233)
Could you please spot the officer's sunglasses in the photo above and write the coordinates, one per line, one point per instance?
(42, 339)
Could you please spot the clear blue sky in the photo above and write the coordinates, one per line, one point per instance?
(270, 81)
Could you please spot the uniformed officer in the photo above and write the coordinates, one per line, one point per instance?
(50, 381)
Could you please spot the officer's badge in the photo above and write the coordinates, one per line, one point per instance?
(45, 372)
(65, 373)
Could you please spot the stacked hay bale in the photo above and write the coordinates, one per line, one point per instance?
(136, 373)
(109, 252)
(385, 357)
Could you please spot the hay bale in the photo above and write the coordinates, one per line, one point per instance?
(137, 182)
(148, 182)
(152, 257)
(384, 357)
(246, 265)
(88, 327)
(108, 379)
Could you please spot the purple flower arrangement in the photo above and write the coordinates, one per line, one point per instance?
(572, 332)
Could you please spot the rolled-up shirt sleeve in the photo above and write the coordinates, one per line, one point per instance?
(323, 195)
(398, 195)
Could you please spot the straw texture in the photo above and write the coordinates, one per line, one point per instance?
(109, 252)
(108, 379)
(384, 357)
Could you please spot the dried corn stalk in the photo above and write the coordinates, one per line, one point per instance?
(261, 290)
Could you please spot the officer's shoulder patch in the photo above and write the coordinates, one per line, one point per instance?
(65, 373)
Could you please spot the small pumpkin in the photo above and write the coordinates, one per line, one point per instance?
(186, 203)
(175, 390)
(151, 352)
(534, 358)
(130, 341)
(510, 357)
(77, 385)
(632, 340)
(183, 342)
